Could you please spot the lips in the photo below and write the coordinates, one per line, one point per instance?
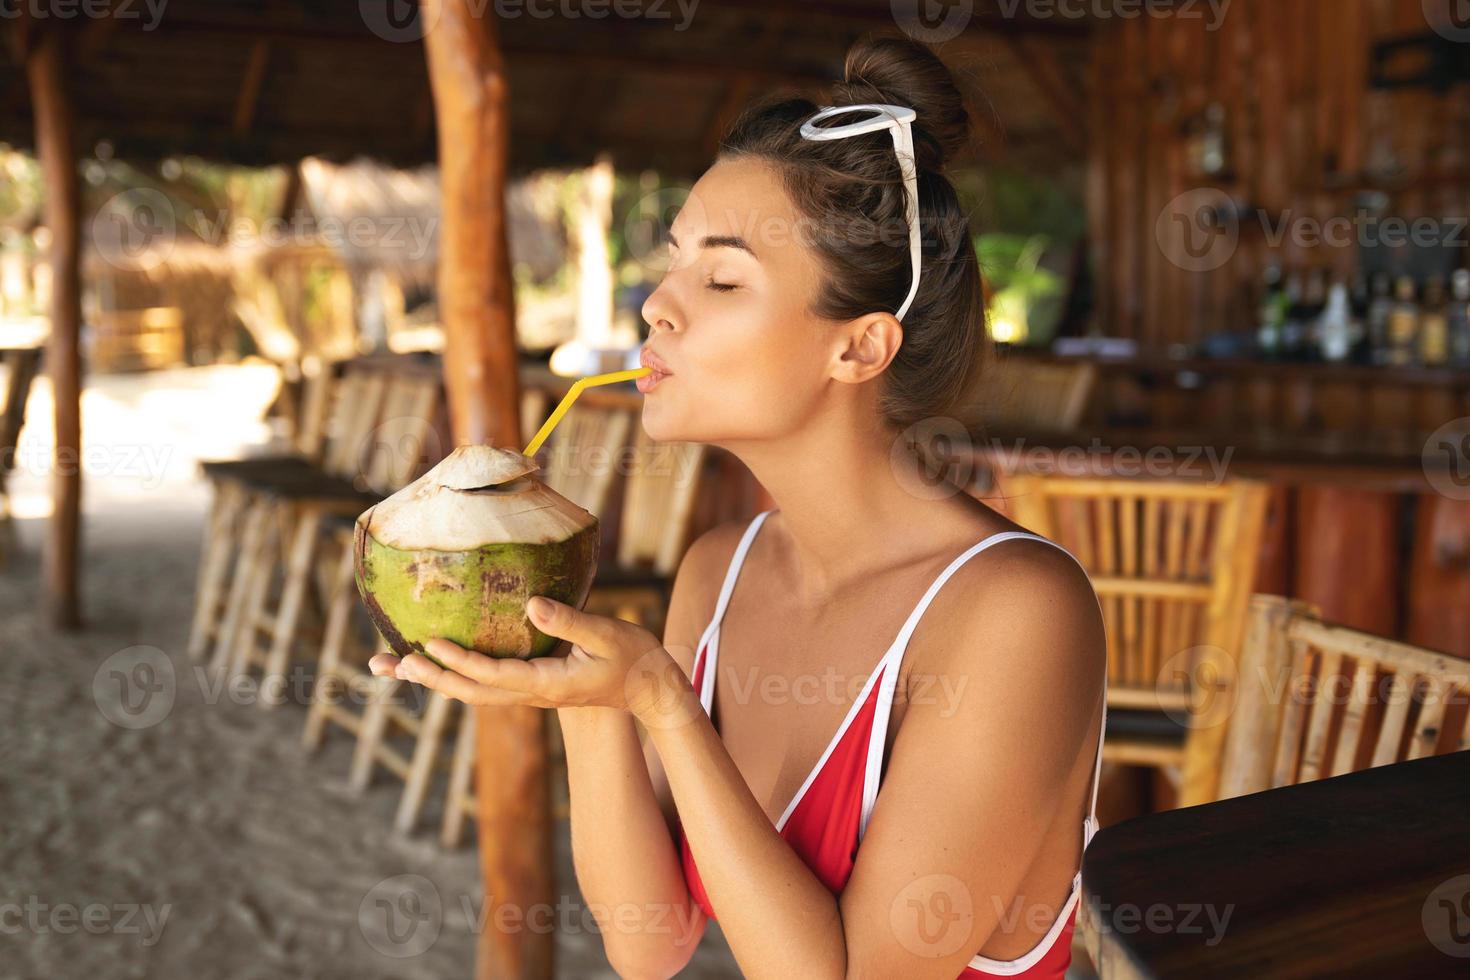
(649, 359)
(655, 364)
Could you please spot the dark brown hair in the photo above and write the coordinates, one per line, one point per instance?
(851, 193)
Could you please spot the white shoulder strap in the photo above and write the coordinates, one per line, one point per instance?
(733, 572)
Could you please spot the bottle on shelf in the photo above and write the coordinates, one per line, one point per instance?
(1433, 340)
(1293, 327)
(1403, 324)
(1358, 308)
(1380, 307)
(1272, 315)
(1459, 318)
(1314, 304)
(1335, 326)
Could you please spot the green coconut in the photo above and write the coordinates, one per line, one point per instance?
(458, 553)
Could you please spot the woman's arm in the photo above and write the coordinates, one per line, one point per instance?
(974, 782)
(623, 848)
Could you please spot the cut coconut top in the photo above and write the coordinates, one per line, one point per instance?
(476, 495)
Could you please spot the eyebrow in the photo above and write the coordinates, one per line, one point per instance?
(721, 241)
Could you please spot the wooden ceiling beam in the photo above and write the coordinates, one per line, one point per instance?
(990, 21)
(251, 83)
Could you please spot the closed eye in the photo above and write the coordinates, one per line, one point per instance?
(720, 287)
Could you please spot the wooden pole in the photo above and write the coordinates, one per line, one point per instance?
(471, 104)
(46, 71)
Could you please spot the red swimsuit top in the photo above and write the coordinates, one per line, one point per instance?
(829, 815)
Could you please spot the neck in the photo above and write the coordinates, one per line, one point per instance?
(840, 488)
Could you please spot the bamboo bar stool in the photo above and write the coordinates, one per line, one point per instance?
(21, 366)
(461, 803)
(1316, 700)
(225, 523)
(1172, 562)
(390, 436)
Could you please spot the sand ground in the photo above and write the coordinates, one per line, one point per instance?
(153, 825)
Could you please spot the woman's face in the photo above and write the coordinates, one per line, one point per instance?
(730, 318)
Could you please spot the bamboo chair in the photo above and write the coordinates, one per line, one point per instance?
(462, 803)
(225, 523)
(386, 446)
(21, 365)
(383, 715)
(1172, 562)
(658, 503)
(1316, 700)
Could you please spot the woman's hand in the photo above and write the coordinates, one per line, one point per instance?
(612, 663)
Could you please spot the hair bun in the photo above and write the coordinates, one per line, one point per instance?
(902, 71)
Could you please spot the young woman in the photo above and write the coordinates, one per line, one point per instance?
(872, 726)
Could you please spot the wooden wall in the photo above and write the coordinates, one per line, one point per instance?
(1306, 134)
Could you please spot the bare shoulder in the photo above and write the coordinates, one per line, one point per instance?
(697, 587)
(1023, 612)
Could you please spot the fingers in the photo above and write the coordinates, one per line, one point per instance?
(383, 665)
(595, 634)
(422, 670)
(599, 635)
(509, 673)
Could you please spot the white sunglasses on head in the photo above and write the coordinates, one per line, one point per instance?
(897, 119)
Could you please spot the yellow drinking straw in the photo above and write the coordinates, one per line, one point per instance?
(578, 386)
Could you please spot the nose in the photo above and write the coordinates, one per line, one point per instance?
(656, 311)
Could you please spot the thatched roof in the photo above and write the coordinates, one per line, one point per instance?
(272, 82)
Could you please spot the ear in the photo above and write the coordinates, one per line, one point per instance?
(870, 343)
